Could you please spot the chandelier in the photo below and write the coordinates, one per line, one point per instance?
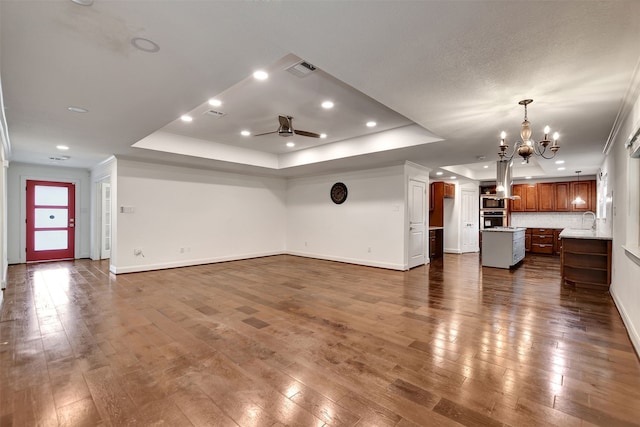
(527, 147)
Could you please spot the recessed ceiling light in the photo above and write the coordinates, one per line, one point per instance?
(291, 144)
(439, 173)
(562, 168)
(62, 147)
(327, 104)
(186, 118)
(260, 75)
(245, 133)
(83, 2)
(559, 162)
(486, 166)
(371, 124)
(145, 45)
(215, 102)
(527, 177)
(323, 135)
(77, 109)
(453, 177)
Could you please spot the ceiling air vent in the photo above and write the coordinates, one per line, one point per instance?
(301, 69)
(59, 158)
(213, 113)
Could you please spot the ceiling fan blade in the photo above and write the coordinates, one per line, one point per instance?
(265, 133)
(305, 133)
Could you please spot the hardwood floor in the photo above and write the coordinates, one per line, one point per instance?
(285, 340)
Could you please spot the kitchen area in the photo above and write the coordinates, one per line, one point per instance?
(548, 218)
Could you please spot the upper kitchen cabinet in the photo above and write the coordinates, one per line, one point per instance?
(562, 196)
(546, 197)
(449, 191)
(585, 190)
(528, 201)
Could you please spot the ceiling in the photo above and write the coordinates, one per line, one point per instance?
(441, 79)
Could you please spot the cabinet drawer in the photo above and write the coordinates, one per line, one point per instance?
(541, 248)
(542, 239)
(542, 231)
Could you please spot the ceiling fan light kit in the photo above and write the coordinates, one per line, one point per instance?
(527, 147)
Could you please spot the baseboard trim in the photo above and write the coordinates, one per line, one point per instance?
(366, 263)
(187, 263)
(631, 330)
(452, 251)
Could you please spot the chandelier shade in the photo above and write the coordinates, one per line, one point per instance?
(527, 147)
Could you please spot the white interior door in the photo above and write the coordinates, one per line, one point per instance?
(470, 225)
(417, 223)
(105, 220)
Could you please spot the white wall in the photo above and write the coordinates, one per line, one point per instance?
(18, 174)
(452, 221)
(372, 217)
(101, 173)
(623, 175)
(212, 216)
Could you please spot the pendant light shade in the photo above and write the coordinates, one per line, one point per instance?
(578, 200)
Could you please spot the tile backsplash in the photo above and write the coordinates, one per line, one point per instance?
(549, 220)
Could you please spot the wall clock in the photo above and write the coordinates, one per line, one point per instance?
(338, 193)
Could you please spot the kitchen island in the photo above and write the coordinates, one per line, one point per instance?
(586, 257)
(502, 247)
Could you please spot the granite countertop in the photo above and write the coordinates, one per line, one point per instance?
(505, 229)
(579, 233)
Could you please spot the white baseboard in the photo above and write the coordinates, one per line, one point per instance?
(365, 262)
(452, 251)
(631, 330)
(186, 263)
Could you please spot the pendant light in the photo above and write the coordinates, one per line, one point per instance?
(578, 200)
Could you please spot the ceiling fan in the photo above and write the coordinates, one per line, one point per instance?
(286, 129)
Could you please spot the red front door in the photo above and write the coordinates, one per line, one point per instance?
(50, 220)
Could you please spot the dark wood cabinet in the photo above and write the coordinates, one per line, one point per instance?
(527, 240)
(586, 261)
(517, 205)
(530, 198)
(562, 196)
(584, 189)
(436, 242)
(557, 242)
(542, 241)
(546, 197)
(449, 191)
(554, 197)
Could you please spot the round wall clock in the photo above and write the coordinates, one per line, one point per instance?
(338, 193)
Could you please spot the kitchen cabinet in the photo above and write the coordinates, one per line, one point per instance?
(562, 196)
(554, 197)
(584, 189)
(436, 243)
(546, 197)
(557, 242)
(449, 191)
(502, 248)
(528, 201)
(586, 261)
(542, 241)
(436, 204)
(517, 204)
(527, 240)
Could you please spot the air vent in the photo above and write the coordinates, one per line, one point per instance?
(59, 158)
(213, 113)
(301, 69)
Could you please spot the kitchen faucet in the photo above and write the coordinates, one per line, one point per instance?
(593, 224)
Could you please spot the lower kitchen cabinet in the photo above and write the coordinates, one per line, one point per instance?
(586, 261)
(502, 248)
(436, 243)
(542, 241)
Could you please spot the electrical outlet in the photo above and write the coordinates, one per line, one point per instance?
(306, 243)
(369, 250)
(137, 252)
(181, 250)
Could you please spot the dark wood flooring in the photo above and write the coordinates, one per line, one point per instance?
(285, 340)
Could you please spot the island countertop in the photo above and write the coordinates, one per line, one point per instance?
(504, 229)
(578, 233)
